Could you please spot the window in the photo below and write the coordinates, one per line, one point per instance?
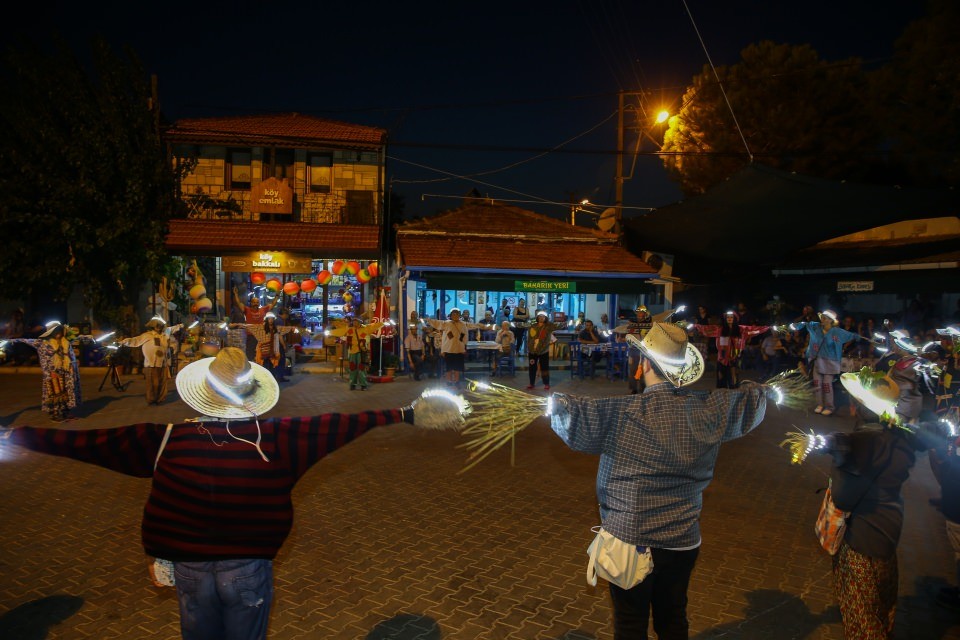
(283, 164)
(239, 168)
(359, 209)
(320, 169)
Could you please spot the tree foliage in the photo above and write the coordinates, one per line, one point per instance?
(85, 188)
(796, 112)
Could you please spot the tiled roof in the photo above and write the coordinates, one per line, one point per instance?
(213, 236)
(284, 129)
(499, 237)
(503, 220)
(518, 255)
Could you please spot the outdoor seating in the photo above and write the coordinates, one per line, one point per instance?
(576, 360)
(507, 363)
(617, 361)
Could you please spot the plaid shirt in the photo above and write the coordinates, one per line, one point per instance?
(657, 453)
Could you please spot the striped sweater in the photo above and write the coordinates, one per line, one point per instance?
(212, 496)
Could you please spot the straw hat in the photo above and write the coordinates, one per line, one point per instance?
(666, 345)
(52, 326)
(228, 386)
(879, 395)
(156, 322)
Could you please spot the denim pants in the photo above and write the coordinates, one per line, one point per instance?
(664, 590)
(224, 599)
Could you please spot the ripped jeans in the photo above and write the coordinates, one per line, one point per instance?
(224, 599)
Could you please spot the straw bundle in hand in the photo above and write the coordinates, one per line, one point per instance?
(792, 389)
(500, 413)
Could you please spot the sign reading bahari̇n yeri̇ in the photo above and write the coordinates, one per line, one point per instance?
(544, 285)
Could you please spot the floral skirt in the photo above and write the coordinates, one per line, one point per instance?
(867, 592)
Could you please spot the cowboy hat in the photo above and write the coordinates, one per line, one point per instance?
(667, 347)
(228, 386)
(52, 326)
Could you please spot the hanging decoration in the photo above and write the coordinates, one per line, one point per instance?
(338, 267)
(353, 268)
(308, 286)
(198, 290)
(363, 276)
(324, 277)
(257, 278)
(373, 269)
(274, 285)
(291, 288)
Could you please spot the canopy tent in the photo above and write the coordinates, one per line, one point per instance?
(761, 216)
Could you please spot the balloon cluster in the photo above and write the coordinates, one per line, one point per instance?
(198, 291)
(341, 267)
(309, 285)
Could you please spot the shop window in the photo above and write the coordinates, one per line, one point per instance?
(320, 169)
(239, 168)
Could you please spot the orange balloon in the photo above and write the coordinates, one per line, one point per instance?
(353, 268)
(274, 284)
(373, 269)
(324, 277)
(291, 288)
(308, 286)
(257, 278)
(338, 267)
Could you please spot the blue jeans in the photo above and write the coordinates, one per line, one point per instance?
(224, 599)
(664, 590)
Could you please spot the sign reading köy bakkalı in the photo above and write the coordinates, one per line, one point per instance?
(268, 261)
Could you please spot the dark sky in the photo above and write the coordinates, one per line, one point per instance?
(465, 88)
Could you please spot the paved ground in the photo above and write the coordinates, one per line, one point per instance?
(390, 542)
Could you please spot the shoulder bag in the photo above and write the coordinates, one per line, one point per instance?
(617, 562)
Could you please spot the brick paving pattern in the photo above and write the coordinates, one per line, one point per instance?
(391, 542)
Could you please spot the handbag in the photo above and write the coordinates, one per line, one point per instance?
(831, 524)
(617, 562)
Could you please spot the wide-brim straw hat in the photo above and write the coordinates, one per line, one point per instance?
(667, 347)
(228, 386)
(51, 328)
(880, 397)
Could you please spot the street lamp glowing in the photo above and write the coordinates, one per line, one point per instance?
(662, 117)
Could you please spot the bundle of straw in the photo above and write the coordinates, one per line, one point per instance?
(792, 389)
(800, 444)
(499, 414)
(440, 409)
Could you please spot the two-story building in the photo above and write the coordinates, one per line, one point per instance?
(280, 198)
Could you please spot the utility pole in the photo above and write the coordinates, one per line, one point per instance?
(618, 205)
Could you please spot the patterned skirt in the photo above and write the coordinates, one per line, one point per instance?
(867, 592)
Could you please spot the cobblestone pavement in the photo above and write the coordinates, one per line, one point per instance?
(391, 542)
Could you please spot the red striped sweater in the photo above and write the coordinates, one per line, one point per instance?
(212, 497)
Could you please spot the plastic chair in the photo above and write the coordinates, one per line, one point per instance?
(507, 362)
(617, 361)
(576, 360)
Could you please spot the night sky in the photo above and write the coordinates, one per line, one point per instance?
(465, 88)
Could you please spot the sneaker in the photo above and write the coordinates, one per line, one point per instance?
(819, 409)
(529, 386)
(546, 387)
(827, 412)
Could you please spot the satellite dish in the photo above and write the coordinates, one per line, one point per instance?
(608, 221)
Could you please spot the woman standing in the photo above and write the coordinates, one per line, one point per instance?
(521, 321)
(824, 354)
(270, 344)
(538, 348)
(61, 374)
(730, 337)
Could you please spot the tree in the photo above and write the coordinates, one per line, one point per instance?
(918, 97)
(85, 188)
(796, 112)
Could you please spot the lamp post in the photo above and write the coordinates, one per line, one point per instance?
(661, 117)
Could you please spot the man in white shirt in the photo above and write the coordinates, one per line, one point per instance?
(453, 343)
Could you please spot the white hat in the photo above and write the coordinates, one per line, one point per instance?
(829, 313)
(666, 346)
(156, 321)
(52, 326)
(228, 386)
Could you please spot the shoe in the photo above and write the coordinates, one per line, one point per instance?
(827, 412)
(529, 386)
(363, 388)
(546, 387)
(353, 387)
(819, 409)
